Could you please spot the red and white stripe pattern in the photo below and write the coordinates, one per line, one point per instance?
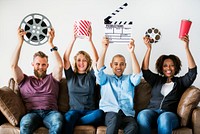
(81, 28)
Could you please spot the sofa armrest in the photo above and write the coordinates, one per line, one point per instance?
(196, 120)
(11, 105)
(188, 102)
(13, 86)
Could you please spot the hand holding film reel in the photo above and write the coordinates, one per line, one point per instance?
(36, 27)
(154, 35)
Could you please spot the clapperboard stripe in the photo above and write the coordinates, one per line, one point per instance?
(118, 31)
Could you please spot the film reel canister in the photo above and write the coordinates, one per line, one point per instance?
(37, 26)
(154, 34)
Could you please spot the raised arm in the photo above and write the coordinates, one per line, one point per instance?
(191, 62)
(105, 43)
(57, 71)
(145, 63)
(16, 70)
(135, 64)
(95, 56)
(68, 52)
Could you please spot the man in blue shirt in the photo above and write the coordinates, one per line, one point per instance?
(117, 91)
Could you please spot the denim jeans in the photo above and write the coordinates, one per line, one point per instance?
(53, 120)
(115, 121)
(82, 117)
(164, 121)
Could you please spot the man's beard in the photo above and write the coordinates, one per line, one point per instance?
(39, 75)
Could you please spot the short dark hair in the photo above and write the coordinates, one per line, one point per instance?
(118, 55)
(174, 58)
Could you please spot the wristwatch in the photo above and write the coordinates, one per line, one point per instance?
(55, 48)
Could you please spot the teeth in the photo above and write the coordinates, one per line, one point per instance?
(168, 71)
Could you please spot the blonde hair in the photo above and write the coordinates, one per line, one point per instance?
(40, 54)
(88, 59)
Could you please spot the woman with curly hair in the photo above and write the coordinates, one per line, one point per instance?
(167, 90)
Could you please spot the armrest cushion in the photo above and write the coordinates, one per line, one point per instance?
(196, 120)
(188, 102)
(11, 106)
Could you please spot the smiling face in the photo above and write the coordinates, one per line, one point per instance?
(40, 66)
(118, 65)
(81, 63)
(168, 68)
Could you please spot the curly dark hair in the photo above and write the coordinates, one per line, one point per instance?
(174, 58)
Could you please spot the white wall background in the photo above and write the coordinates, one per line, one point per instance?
(162, 14)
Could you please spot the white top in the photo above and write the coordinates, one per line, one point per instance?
(167, 88)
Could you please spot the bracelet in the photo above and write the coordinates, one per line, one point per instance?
(55, 48)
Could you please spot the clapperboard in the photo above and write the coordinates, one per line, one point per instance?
(118, 32)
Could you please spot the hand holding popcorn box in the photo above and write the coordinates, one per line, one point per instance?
(81, 28)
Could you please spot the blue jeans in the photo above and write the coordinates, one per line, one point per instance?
(34, 119)
(115, 121)
(164, 121)
(82, 117)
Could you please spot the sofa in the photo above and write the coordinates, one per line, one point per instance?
(12, 109)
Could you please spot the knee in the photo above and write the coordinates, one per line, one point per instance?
(71, 115)
(142, 116)
(99, 113)
(167, 117)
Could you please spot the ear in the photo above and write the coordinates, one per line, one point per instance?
(111, 64)
(32, 63)
(47, 65)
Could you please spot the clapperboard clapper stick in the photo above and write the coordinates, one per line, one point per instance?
(118, 32)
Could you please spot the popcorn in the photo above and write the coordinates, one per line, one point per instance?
(82, 28)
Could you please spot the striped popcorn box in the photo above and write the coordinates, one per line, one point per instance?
(81, 28)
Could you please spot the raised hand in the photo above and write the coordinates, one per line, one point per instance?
(131, 45)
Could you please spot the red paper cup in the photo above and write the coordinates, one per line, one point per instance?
(185, 28)
(82, 28)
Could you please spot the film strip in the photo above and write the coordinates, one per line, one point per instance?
(118, 32)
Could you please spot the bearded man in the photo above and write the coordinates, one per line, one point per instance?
(39, 92)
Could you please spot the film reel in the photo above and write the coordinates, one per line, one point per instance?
(37, 26)
(154, 34)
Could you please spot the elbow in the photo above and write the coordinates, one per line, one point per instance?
(61, 66)
(13, 66)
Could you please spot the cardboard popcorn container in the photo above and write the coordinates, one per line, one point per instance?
(184, 28)
(82, 28)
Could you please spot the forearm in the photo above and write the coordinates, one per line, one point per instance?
(101, 60)
(135, 64)
(95, 54)
(15, 56)
(16, 71)
(191, 62)
(67, 54)
(145, 63)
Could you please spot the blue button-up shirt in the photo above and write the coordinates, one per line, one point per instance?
(117, 92)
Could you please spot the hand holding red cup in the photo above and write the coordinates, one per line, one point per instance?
(184, 28)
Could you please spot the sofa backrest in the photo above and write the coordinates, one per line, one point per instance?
(63, 98)
(142, 96)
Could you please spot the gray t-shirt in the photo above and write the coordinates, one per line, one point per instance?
(81, 90)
